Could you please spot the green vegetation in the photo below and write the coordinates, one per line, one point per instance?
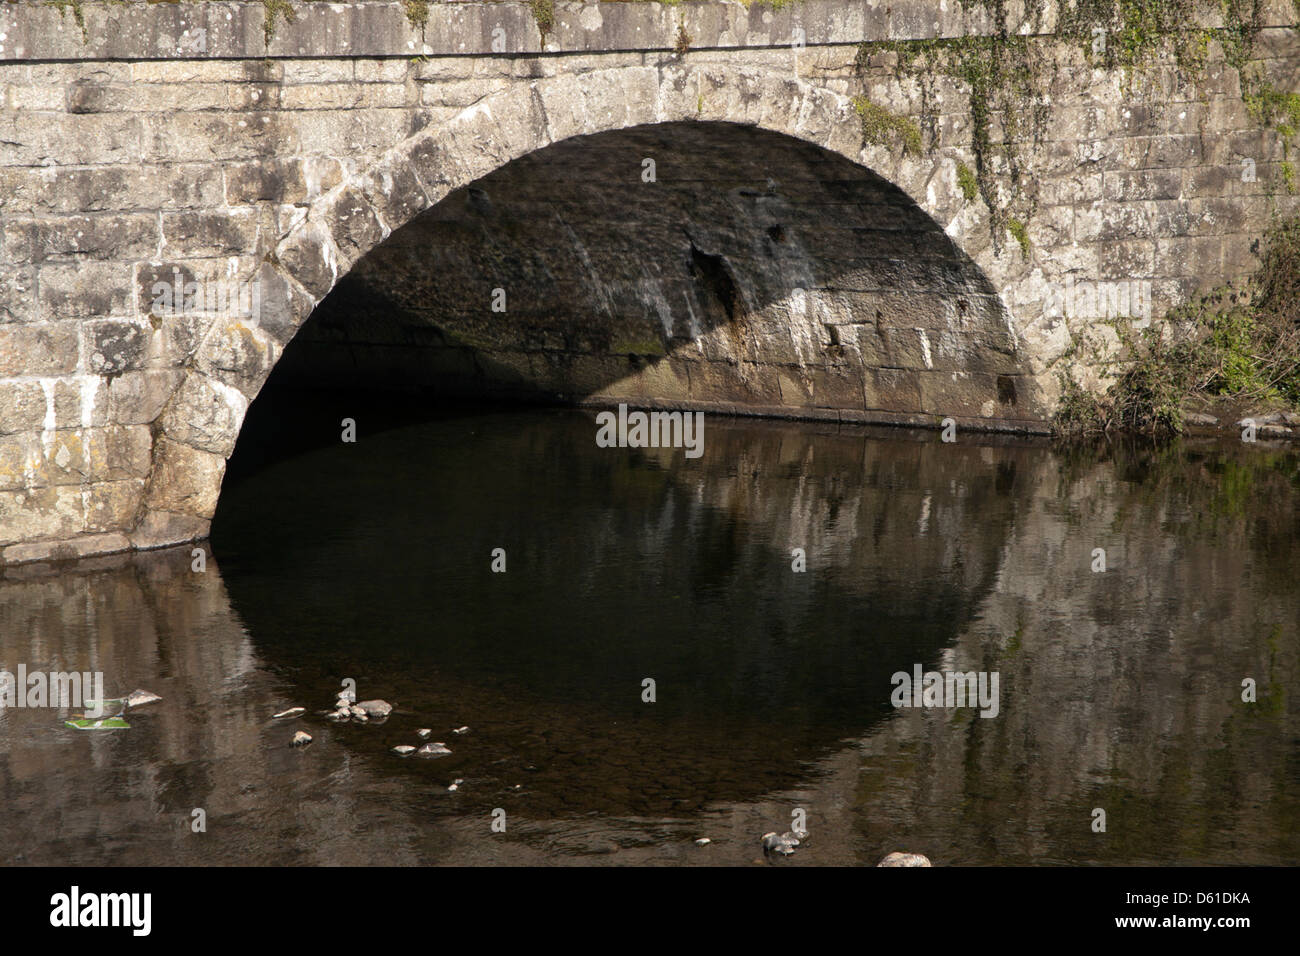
(683, 40)
(417, 11)
(544, 14)
(1004, 75)
(1020, 232)
(77, 14)
(274, 8)
(966, 181)
(883, 128)
(1241, 343)
(1001, 74)
(1279, 111)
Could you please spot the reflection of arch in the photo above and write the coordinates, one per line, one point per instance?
(199, 426)
(759, 669)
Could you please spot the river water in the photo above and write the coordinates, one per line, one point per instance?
(1119, 690)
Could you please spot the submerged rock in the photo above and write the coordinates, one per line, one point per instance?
(703, 841)
(291, 712)
(403, 750)
(905, 859)
(455, 784)
(424, 733)
(461, 730)
(375, 708)
(435, 749)
(783, 844)
(300, 739)
(138, 698)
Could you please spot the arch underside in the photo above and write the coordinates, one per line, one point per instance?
(695, 265)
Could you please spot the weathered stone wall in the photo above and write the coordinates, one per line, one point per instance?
(157, 141)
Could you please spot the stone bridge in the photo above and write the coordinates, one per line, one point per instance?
(872, 211)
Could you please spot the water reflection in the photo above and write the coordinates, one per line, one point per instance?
(1119, 690)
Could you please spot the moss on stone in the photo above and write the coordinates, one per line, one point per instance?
(1003, 72)
(417, 12)
(966, 181)
(639, 347)
(77, 14)
(883, 128)
(273, 9)
(683, 40)
(1020, 232)
(1280, 111)
(544, 14)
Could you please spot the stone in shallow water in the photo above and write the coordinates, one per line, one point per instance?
(703, 841)
(783, 844)
(403, 750)
(138, 698)
(905, 859)
(300, 739)
(375, 708)
(291, 712)
(435, 749)
(424, 733)
(461, 730)
(455, 784)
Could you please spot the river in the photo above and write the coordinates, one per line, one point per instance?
(1119, 690)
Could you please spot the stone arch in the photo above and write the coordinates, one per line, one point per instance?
(197, 429)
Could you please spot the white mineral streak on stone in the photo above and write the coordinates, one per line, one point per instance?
(651, 292)
(694, 323)
(312, 170)
(327, 250)
(234, 400)
(597, 283)
(51, 417)
(925, 348)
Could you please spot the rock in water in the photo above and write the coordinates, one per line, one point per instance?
(703, 841)
(905, 859)
(291, 712)
(461, 730)
(375, 708)
(435, 749)
(424, 733)
(783, 844)
(300, 739)
(138, 698)
(403, 750)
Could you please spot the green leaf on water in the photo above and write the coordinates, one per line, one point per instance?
(101, 723)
